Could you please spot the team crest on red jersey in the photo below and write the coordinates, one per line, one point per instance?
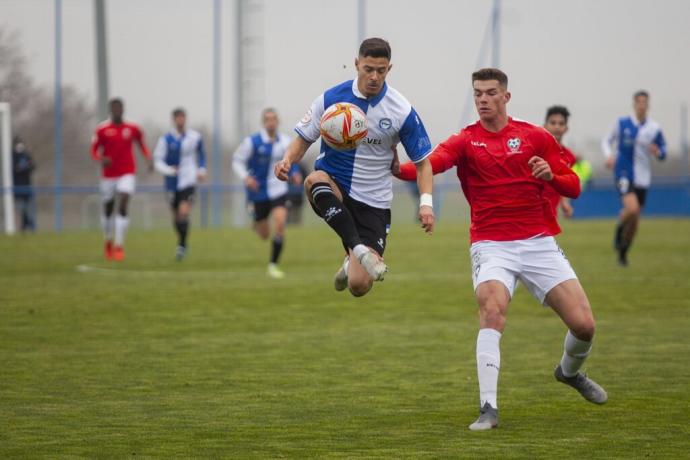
(514, 145)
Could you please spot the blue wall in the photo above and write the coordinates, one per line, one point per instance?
(668, 196)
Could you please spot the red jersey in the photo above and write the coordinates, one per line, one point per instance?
(115, 142)
(552, 195)
(507, 203)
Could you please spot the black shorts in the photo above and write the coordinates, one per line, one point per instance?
(372, 224)
(186, 194)
(624, 187)
(260, 210)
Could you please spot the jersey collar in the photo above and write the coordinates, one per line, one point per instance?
(373, 101)
(266, 139)
(637, 122)
(498, 133)
(176, 134)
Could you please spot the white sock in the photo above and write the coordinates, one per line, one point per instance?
(107, 226)
(360, 250)
(576, 351)
(121, 224)
(488, 365)
(346, 264)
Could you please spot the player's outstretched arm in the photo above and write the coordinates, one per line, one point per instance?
(293, 154)
(425, 184)
(441, 160)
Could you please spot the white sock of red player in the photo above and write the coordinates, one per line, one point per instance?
(108, 225)
(488, 365)
(121, 224)
(576, 351)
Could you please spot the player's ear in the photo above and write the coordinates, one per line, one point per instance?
(507, 96)
(389, 68)
(357, 63)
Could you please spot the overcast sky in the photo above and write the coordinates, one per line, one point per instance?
(590, 55)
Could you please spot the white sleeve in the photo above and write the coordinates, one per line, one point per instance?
(609, 140)
(241, 157)
(309, 127)
(159, 158)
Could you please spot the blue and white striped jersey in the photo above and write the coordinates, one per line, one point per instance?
(256, 156)
(632, 141)
(180, 157)
(365, 172)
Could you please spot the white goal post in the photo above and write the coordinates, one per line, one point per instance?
(6, 148)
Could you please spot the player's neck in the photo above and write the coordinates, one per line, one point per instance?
(495, 124)
(116, 121)
(361, 86)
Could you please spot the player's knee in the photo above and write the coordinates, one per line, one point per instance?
(492, 315)
(360, 288)
(262, 231)
(314, 178)
(108, 207)
(585, 329)
(632, 207)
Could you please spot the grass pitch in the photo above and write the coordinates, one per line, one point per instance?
(210, 359)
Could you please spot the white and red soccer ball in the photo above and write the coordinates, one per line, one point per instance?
(343, 126)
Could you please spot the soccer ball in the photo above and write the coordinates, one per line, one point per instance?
(343, 126)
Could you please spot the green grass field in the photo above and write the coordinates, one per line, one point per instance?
(210, 359)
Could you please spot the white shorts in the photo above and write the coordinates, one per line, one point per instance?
(538, 262)
(112, 185)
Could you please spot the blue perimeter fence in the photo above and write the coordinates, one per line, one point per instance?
(667, 197)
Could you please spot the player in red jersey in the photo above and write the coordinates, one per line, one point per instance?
(504, 165)
(556, 123)
(112, 147)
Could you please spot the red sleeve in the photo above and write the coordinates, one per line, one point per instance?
(139, 137)
(442, 159)
(95, 144)
(568, 157)
(565, 182)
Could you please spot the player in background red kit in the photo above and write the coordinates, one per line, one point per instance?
(556, 123)
(504, 166)
(112, 147)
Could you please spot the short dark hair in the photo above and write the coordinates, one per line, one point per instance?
(375, 47)
(557, 110)
(268, 110)
(640, 93)
(491, 73)
(178, 111)
(115, 100)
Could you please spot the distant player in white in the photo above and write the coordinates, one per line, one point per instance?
(253, 162)
(181, 158)
(637, 139)
(352, 191)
